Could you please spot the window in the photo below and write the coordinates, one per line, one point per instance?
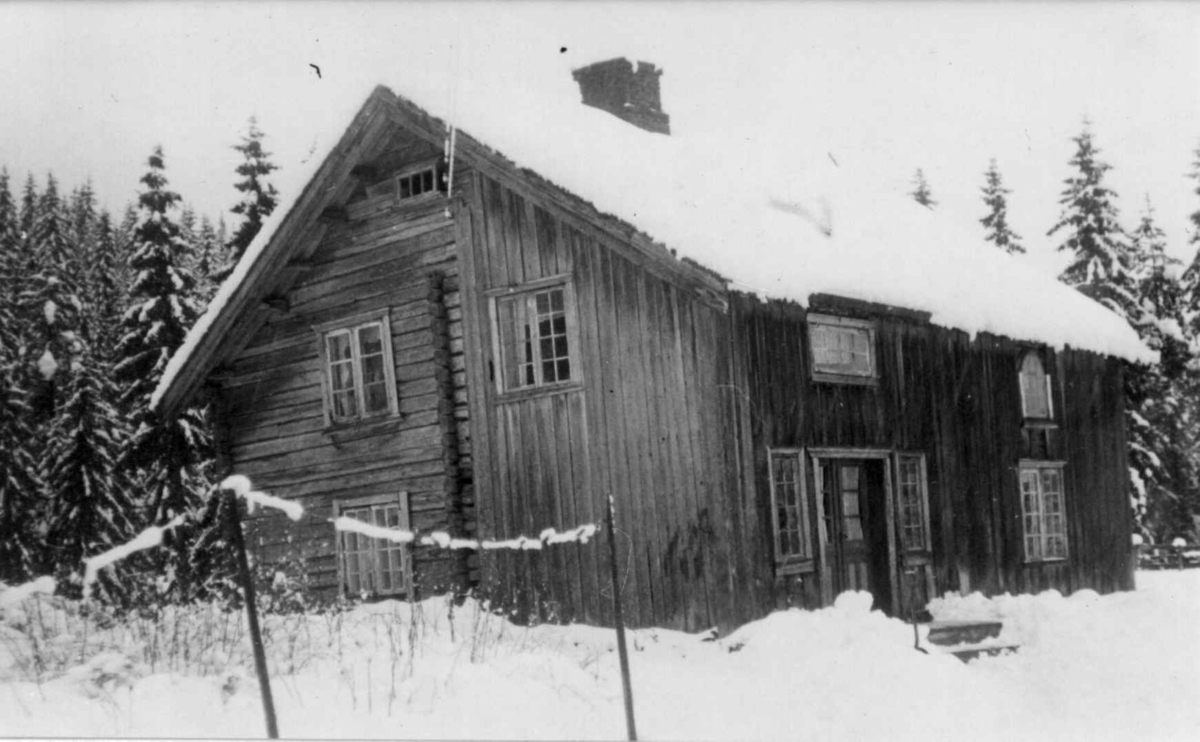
(419, 181)
(373, 566)
(358, 370)
(789, 507)
(1036, 402)
(843, 350)
(536, 334)
(913, 502)
(1042, 511)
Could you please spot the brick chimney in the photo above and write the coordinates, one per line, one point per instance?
(628, 94)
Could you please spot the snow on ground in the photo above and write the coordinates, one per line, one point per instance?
(1124, 666)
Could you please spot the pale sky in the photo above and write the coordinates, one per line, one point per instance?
(89, 89)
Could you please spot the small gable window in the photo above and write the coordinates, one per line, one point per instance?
(843, 349)
(1036, 402)
(535, 330)
(418, 181)
(357, 369)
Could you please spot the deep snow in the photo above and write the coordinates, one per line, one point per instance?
(1125, 666)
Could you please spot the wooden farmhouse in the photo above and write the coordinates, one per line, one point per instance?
(457, 344)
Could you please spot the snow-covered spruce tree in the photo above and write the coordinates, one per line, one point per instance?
(51, 303)
(1102, 266)
(999, 233)
(208, 252)
(1101, 263)
(164, 457)
(1159, 442)
(1191, 276)
(105, 286)
(19, 486)
(91, 505)
(27, 216)
(921, 192)
(82, 214)
(259, 197)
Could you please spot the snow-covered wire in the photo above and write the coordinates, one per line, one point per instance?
(147, 539)
(548, 537)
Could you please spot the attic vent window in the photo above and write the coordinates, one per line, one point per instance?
(843, 349)
(418, 182)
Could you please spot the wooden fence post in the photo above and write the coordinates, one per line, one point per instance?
(622, 653)
(248, 594)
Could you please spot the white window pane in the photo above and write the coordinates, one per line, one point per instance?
(338, 346)
(1033, 387)
(370, 340)
(345, 405)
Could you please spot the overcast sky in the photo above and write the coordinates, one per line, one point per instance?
(88, 90)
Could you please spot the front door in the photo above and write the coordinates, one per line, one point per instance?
(855, 523)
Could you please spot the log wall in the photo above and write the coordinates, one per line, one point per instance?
(384, 255)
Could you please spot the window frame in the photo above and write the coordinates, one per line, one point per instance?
(352, 325)
(1038, 466)
(786, 564)
(1048, 419)
(926, 545)
(529, 290)
(401, 500)
(870, 376)
(439, 187)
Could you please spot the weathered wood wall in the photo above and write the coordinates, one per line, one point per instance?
(400, 257)
(957, 400)
(650, 424)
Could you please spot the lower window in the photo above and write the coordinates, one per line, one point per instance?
(1043, 511)
(371, 567)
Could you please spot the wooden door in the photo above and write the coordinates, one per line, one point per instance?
(914, 536)
(857, 550)
(845, 494)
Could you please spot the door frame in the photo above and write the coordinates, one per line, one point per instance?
(874, 454)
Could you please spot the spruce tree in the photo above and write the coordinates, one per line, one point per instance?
(996, 221)
(166, 452)
(19, 487)
(27, 217)
(82, 214)
(1191, 277)
(105, 286)
(259, 197)
(1156, 393)
(208, 255)
(921, 192)
(90, 507)
(51, 302)
(1101, 265)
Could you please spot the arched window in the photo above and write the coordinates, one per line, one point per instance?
(1035, 389)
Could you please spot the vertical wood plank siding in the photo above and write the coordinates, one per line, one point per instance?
(957, 400)
(650, 424)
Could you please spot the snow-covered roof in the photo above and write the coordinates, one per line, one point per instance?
(776, 214)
